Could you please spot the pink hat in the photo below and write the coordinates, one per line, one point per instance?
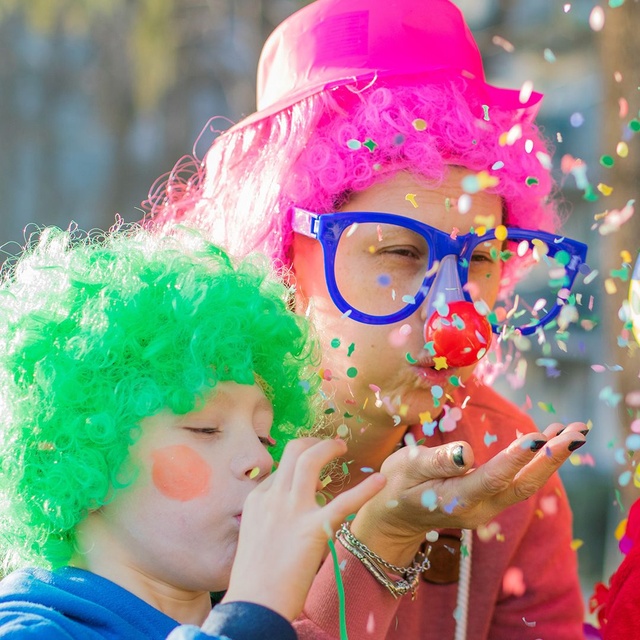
(330, 43)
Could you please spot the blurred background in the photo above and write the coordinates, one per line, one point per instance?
(99, 98)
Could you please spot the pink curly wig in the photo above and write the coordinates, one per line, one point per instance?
(240, 195)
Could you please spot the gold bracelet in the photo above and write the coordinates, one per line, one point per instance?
(374, 564)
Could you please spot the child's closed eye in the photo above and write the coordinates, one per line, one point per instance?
(204, 431)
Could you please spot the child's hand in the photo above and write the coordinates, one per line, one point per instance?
(284, 531)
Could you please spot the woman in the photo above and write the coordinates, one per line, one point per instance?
(403, 197)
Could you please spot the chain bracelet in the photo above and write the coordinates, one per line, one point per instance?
(396, 588)
(373, 562)
(420, 564)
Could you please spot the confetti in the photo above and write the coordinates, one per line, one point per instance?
(622, 149)
(505, 44)
(632, 399)
(450, 420)
(425, 417)
(610, 286)
(489, 531)
(440, 363)
(544, 159)
(549, 505)
(549, 56)
(609, 397)
(596, 18)
(632, 443)
(429, 499)
(419, 124)
(352, 372)
(489, 439)
(624, 478)
(513, 582)
(354, 145)
(525, 92)
(342, 431)
(576, 120)
(614, 219)
(623, 107)
(464, 203)
(604, 189)
(411, 197)
(370, 144)
(547, 407)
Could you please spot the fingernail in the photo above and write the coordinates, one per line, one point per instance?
(584, 432)
(458, 456)
(536, 445)
(561, 430)
(576, 444)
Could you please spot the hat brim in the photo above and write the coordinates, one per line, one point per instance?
(487, 94)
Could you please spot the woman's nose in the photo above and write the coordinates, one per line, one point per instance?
(452, 325)
(446, 287)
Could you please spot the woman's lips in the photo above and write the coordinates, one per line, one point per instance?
(430, 374)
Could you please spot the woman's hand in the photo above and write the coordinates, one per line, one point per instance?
(431, 488)
(284, 531)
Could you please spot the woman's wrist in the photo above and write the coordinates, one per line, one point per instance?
(399, 580)
(398, 549)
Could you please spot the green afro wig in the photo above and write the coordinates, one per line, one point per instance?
(99, 331)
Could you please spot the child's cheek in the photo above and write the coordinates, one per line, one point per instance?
(180, 473)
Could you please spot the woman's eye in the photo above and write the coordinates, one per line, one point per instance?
(267, 441)
(404, 252)
(484, 257)
(481, 258)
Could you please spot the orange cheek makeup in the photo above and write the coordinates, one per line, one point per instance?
(180, 473)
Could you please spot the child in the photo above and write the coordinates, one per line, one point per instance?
(144, 385)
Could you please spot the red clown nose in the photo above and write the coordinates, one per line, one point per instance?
(462, 336)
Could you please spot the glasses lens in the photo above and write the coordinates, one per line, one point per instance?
(379, 268)
(534, 275)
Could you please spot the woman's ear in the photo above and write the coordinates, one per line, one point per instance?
(297, 301)
(305, 271)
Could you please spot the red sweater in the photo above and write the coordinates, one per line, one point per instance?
(621, 613)
(535, 539)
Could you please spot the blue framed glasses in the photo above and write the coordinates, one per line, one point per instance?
(379, 267)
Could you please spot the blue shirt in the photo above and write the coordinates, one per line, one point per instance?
(72, 604)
